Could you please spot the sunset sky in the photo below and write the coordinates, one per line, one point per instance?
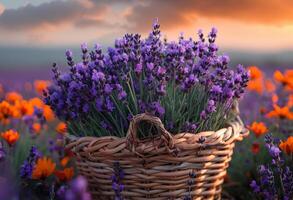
(36, 33)
(249, 25)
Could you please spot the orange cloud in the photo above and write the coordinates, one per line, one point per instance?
(175, 13)
(2, 8)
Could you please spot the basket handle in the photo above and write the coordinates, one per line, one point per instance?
(132, 139)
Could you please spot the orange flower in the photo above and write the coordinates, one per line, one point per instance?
(255, 148)
(258, 128)
(7, 111)
(24, 108)
(64, 175)
(255, 85)
(255, 72)
(48, 113)
(61, 128)
(12, 97)
(64, 161)
(36, 102)
(285, 79)
(10, 136)
(280, 112)
(287, 146)
(43, 168)
(40, 86)
(36, 128)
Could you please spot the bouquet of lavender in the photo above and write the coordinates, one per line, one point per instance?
(186, 83)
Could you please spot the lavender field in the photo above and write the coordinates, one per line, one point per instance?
(115, 100)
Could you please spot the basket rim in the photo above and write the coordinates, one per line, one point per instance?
(234, 131)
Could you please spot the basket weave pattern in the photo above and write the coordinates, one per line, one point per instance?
(158, 168)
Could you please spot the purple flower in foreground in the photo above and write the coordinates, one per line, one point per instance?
(28, 165)
(117, 178)
(77, 190)
(274, 151)
(267, 189)
(255, 187)
(287, 180)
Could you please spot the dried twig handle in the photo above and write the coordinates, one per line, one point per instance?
(133, 140)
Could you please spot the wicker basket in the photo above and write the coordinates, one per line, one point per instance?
(158, 168)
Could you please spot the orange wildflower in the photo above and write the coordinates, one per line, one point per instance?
(64, 161)
(61, 128)
(48, 113)
(255, 85)
(280, 112)
(6, 112)
(287, 146)
(10, 136)
(24, 108)
(40, 86)
(64, 175)
(255, 148)
(43, 168)
(12, 97)
(36, 102)
(36, 128)
(258, 128)
(285, 79)
(255, 72)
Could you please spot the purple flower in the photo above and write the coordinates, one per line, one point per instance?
(216, 89)
(109, 105)
(86, 108)
(255, 187)
(28, 119)
(99, 104)
(287, 181)
(98, 76)
(83, 47)
(78, 190)
(108, 89)
(122, 95)
(117, 178)
(161, 71)
(27, 167)
(150, 66)
(203, 115)
(145, 70)
(274, 151)
(138, 68)
(68, 53)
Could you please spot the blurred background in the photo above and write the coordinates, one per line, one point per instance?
(36, 33)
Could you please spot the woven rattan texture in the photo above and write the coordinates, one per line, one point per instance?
(158, 168)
